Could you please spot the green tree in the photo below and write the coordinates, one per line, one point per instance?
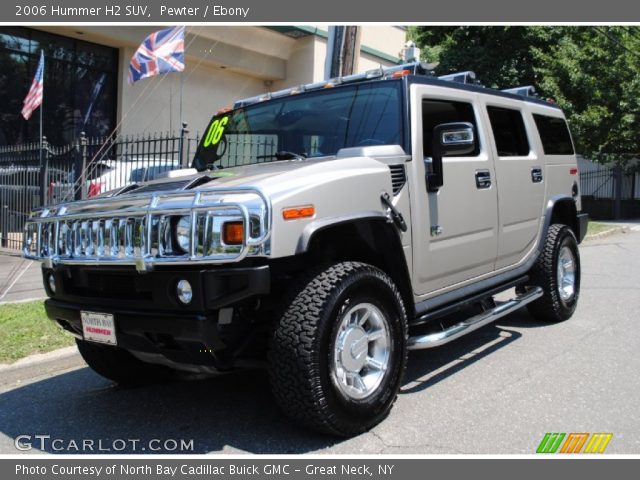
(591, 72)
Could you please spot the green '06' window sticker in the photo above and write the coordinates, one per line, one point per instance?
(216, 129)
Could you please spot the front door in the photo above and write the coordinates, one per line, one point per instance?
(454, 229)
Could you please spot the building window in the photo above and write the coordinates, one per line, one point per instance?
(80, 86)
(508, 132)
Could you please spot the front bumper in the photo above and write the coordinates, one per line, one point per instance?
(150, 319)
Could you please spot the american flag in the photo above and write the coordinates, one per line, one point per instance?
(34, 98)
(161, 52)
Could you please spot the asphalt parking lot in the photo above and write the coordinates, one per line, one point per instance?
(496, 391)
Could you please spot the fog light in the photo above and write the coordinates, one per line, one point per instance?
(184, 292)
(51, 281)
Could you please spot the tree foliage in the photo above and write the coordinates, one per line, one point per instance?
(593, 73)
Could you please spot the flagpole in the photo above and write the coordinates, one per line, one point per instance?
(181, 89)
(41, 109)
(43, 173)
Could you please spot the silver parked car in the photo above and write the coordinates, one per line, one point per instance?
(325, 231)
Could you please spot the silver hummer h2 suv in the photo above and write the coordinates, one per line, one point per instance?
(323, 232)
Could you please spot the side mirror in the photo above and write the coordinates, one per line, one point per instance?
(449, 140)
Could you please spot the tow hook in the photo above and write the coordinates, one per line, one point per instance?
(394, 215)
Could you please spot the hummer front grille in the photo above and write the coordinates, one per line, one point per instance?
(140, 230)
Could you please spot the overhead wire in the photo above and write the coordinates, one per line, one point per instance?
(616, 41)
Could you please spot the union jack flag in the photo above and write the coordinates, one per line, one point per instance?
(161, 52)
(34, 98)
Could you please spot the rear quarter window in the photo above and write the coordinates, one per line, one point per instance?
(555, 136)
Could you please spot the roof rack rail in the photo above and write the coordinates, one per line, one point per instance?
(525, 91)
(413, 68)
(468, 77)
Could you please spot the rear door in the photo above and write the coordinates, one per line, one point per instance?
(520, 177)
(454, 229)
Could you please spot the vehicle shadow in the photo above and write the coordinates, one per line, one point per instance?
(431, 366)
(227, 413)
(223, 413)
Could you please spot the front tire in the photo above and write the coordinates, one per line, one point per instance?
(338, 352)
(121, 366)
(557, 271)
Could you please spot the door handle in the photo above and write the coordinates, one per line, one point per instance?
(536, 175)
(483, 179)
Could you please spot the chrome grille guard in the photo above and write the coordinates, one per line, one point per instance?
(131, 229)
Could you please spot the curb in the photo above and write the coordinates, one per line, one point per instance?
(38, 359)
(608, 233)
(38, 367)
(22, 300)
(10, 252)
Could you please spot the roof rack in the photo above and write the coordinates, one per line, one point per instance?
(525, 91)
(467, 77)
(414, 68)
(396, 71)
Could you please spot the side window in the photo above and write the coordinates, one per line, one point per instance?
(509, 132)
(435, 112)
(554, 134)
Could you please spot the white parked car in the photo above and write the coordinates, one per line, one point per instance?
(106, 175)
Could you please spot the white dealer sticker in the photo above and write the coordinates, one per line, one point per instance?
(98, 327)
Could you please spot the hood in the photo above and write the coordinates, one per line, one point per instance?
(284, 176)
(270, 177)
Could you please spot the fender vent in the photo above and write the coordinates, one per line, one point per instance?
(398, 178)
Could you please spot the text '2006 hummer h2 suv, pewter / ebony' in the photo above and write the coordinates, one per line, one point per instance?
(323, 231)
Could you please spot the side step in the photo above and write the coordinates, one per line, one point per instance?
(432, 340)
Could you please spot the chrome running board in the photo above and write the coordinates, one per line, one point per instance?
(432, 340)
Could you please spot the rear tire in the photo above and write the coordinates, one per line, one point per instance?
(121, 366)
(338, 352)
(557, 271)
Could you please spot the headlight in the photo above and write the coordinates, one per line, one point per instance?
(183, 233)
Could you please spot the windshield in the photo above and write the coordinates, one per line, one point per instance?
(313, 124)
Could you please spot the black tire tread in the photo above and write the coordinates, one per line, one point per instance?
(294, 369)
(549, 308)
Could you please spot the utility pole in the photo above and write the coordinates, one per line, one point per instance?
(343, 49)
(350, 50)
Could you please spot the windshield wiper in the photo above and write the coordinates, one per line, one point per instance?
(284, 155)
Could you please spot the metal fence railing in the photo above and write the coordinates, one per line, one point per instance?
(610, 183)
(610, 192)
(33, 175)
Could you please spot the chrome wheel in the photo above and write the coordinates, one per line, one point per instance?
(361, 351)
(566, 273)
